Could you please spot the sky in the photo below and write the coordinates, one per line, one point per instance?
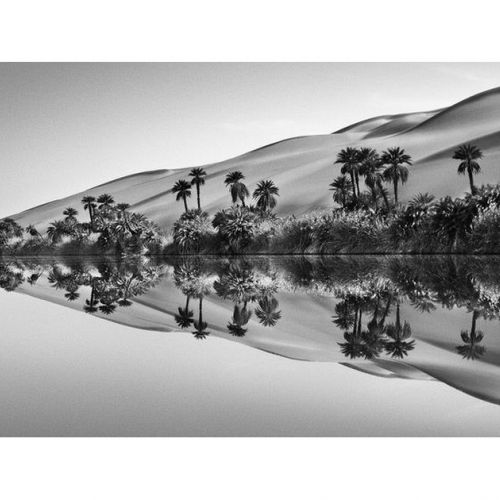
(66, 127)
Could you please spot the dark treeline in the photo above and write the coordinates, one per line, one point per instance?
(370, 220)
(111, 228)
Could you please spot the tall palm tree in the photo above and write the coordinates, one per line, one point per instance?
(70, 214)
(105, 201)
(468, 154)
(183, 190)
(237, 188)
(89, 204)
(349, 159)
(471, 350)
(198, 179)
(370, 169)
(341, 187)
(184, 318)
(395, 160)
(200, 326)
(265, 193)
(399, 345)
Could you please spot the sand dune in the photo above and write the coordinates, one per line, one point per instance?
(303, 167)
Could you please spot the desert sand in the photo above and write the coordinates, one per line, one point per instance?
(302, 167)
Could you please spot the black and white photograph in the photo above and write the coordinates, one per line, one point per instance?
(357, 269)
(236, 247)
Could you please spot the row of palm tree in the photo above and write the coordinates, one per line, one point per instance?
(391, 166)
(264, 194)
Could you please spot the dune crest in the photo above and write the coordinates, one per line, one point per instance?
(303, 167)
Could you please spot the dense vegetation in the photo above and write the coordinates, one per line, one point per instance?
(362, 221)
(111, 229)
(370, 220)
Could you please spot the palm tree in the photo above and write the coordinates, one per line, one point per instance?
(265, 193)
(471, 350)
(32, 231)
(349, 314)
(56, 230)
(399, 345)
(183, 190)
(70, 214)
(184, 318)
(105, 201)
(241, 316)
(198, 179)
(89, 204)
(468, 154)
(237, 188)
(395, 161)
(122, 208)
(348, 158)
(370, 168)
(200, 326)
(267, 313)
(341, 187)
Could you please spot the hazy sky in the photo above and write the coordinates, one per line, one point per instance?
(67, 127)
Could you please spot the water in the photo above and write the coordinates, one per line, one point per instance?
(336, 346)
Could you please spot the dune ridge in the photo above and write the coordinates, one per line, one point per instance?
(303, 167)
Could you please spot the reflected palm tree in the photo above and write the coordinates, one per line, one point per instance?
(267, 311)
(184, 318)
(470, 349)
(241, 317)
(71, 295)
(91, 304)
(200, 326)
(353, 347)
(398, 346)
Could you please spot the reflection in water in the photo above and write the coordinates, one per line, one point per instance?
(472, 340)
(392, 312)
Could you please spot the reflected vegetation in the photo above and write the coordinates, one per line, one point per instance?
(368, 307)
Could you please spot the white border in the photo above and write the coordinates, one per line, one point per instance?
(223, 30)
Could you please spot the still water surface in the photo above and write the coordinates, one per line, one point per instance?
(267, 346)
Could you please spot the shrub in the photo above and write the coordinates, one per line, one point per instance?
(236, 227)
(485, 231)
(191, 230)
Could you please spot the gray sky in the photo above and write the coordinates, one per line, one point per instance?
(67, 127)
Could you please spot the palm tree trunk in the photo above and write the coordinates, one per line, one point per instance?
(381, 189)
(353, 182)
(471, 180)
(396, 190)
(385, 313)
(198, 195)
(200, 310)
(475, 314)
(357, 184)
(185, 203)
